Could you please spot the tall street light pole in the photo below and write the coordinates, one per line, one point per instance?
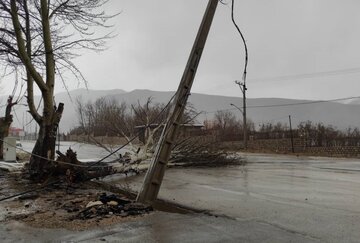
(239, 110)
(244, 132)
(243, 89)
(291, 136)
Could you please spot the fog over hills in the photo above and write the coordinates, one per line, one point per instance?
(275, 110)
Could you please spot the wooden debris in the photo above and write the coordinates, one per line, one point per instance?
(75, 170)
(112, 205)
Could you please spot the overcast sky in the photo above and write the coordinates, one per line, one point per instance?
(306, 49)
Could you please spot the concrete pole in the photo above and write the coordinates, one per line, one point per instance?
(291, 136)
(154, 176)
(243, 91)
(244, 115)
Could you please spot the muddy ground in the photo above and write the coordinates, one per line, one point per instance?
(61, 205)
(65, 206)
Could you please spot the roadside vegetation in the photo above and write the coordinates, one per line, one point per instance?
(140, 126)
(107, 118)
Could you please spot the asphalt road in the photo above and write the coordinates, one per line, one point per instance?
(315, 198)
(158, 227)
(270, 199)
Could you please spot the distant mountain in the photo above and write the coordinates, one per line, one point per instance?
(260, 110)
(336, 114)
(355, 101)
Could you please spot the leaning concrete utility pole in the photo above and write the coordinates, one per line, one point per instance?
(154, 176)
(243, 91)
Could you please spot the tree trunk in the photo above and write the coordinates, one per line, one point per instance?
(41, 165)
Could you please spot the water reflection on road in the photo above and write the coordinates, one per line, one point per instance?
(307, 197)
(316, 197)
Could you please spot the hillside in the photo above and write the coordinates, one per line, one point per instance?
(337, 114)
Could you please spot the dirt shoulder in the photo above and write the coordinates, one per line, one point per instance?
(74, 207)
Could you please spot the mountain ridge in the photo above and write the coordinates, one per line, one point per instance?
(333, 113)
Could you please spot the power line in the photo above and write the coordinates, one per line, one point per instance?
(276, 119)
(303, 103)
(309, 75)
(50, 160)
(242, 85)
(43, 187)
(86, 167)
(289, 104)
(243, 39)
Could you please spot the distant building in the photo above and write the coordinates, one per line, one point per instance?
(16, 132)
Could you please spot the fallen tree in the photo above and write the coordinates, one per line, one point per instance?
(145, 122)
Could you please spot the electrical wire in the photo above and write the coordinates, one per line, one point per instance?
(304, 103)
(28, 191)
(243, 39)
(47, 159)
(308, 75)
(137, 135)
(289, 104)
(276, 119)
(88, 166)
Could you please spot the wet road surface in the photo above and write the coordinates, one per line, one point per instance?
(271, 199)
(159, 227)
(318, 198)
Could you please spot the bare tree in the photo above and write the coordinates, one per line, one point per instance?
(149, 117)
(108, 117)
(42, 37)
(105, 116)
(225, 120)
(226, 124)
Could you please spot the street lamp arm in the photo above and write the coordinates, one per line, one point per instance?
(237, 108)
